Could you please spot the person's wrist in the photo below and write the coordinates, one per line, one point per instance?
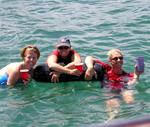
(136, 76)
(90, 68)
(68, 71)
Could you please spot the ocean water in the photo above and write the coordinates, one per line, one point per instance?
(94, 27)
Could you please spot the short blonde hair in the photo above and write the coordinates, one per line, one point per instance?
(113, 51)
(30, 47)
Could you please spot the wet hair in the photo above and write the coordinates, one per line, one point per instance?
(112, 51)
(32, 48)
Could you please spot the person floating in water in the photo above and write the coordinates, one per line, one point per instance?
(11, 74)
(63, 59)
(116, 79)
(115, 76)
(62, 65)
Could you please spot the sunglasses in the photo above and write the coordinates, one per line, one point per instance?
(116, 58)
(63, 47)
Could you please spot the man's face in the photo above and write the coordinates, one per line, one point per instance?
(64, 51)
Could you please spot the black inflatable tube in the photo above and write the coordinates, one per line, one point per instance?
(41, 73)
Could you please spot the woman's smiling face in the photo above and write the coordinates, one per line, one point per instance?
(30, 58)
(116, 59)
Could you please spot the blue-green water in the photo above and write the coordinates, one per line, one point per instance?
(94, 26)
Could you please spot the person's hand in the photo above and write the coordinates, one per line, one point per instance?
(26, 81)
(55, 77)
(90, 72)
(136, 72)
(75, 72)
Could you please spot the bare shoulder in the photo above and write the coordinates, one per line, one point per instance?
(14, 66)
(52, 58)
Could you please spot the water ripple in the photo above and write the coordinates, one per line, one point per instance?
(94, 27)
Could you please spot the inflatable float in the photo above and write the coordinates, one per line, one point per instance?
(41, 73)
(3, 79)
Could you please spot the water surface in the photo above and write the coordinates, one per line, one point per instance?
(94, 27)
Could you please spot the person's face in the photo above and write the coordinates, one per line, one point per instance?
(64, 51)
(30, 58)
(116, 60)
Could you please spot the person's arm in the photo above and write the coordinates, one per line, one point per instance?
(136, 76)
(89, 61)
(13, 76)
(52, 63)
(90, 72)
(75, 59)
(13, 71)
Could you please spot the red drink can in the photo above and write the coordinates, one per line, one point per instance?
(24, 74)
(79, 66)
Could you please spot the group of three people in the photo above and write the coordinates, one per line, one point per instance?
(60, 66)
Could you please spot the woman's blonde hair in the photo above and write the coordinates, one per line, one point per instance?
(32, 48)
(113, 51)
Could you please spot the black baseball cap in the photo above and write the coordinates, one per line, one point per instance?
(63, 41)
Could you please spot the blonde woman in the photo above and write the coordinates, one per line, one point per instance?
(11, 75)
(116, 79)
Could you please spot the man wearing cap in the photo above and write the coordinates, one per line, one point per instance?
(62, 60)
